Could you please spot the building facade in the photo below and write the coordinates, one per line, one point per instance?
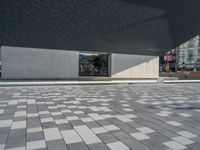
(185, 57)
(189, 54)
(34, 63)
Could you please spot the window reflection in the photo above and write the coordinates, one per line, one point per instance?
(93, 64)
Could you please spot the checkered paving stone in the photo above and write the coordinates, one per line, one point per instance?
(100, 117)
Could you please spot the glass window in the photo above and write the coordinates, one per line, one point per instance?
(93, 64)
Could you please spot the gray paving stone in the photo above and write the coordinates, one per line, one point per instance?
(159, 137)
(194, 146)
(4, 130)
(154, 145)
(78, 146)
(49, 125)
(129, 141)
(164, 113)
(16, 141)
(17, 132)
(35, 136)
(76, 123)
(56, 145)
(98, 146)
(3, 138)
(107, 138)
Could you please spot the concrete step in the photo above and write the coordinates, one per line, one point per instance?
(22, 83)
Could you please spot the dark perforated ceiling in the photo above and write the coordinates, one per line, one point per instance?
(122, 26)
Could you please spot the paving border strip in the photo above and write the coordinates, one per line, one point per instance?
(36, 83)
(23, 83)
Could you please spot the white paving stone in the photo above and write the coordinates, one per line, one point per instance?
(43, 120)
(78, 112)
(105, 109)
(94, 108)
(82, 107)
(183, 140)
(71, 118)
(66, 111)
(2, 146)
(5, 123)
(56, 113)
(185, 115)
(174, 123)
(123, 118)
(99, 130)
(61, 106)
(13, 102)
(1, 111)
(128, 109)
(174, 145)
(130, 116)
(53, 107)
(72, 106)
(43, 112)
(87, 119)
(145, 130)
(125, 105)
(23, 106)
(140, 136)
(32, 115)
(61, 121)
(87, 135)
(71, 136)
(96, 116)
(67, 102)
(104, 104)
(117, 146)
(31, 130)
(107, 116)
(187, 134)
(36, 145)
(52, 134)
(20, 113)
(111, 127)
(163, 114)
(18, 125)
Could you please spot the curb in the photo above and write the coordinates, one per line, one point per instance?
(75, 82)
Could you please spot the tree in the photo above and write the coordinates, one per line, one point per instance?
(100, 60)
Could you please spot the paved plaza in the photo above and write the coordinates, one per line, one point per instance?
(100, 117)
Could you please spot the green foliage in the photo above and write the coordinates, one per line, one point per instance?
(100, 60)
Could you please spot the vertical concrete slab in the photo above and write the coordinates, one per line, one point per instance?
(134, 66)
(33, 63)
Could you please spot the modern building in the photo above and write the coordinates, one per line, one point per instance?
(34, 63)
(116, 26)
(189, 55)
(46, 39)
(185, 57)
(168, 61)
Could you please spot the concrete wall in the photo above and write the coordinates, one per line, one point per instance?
(134, 66)
(32, 63)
